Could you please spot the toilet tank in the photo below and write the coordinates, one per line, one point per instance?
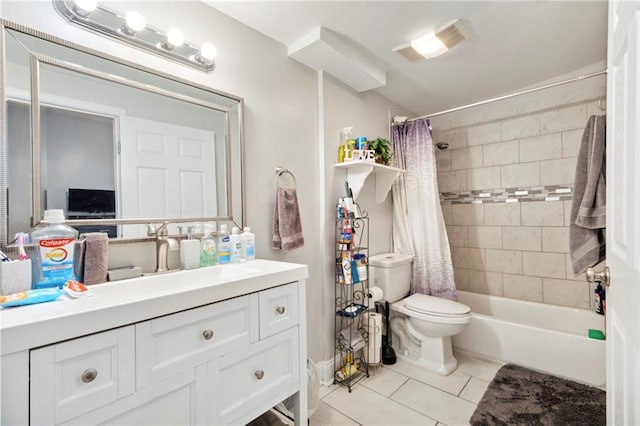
(392, 273)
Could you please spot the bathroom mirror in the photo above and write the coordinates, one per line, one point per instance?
(113, 144)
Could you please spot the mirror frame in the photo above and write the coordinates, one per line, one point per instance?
(233, 199)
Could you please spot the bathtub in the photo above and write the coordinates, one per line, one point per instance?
(543, 337)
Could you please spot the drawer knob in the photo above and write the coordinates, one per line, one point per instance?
(207, 334)
(89, 375)
(259, 374)
(280, 310)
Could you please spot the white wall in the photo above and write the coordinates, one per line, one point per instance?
(281, 125)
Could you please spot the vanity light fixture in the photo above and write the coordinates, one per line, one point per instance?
(132, 29)
(134, 22)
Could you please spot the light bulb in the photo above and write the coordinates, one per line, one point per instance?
(429, 45)
(175, 38)
(208, 51)
(134, 22)
(85, 7)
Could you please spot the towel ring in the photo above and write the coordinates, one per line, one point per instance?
(281, 171)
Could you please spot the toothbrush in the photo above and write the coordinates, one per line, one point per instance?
(21, 238)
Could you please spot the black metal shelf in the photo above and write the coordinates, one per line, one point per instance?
(351, 301)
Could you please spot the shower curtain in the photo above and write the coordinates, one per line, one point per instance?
(418, 224)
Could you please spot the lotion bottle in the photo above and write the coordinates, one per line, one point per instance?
(236, 245)
(248, 244)
(224, 245)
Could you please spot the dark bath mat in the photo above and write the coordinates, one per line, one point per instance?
(519, 396)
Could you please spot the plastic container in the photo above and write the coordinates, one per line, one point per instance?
(236, 245)
(208, 252)
(190, 253)
(53, 264)
(224, 245)
(248, 244)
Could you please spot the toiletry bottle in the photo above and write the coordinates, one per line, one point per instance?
(190, 251)
(236, 245)
(207, 247)
(53, 265)
(248, 244)
(224, 245)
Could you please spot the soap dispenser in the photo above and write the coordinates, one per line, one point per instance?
(207, 247)
(189, 251)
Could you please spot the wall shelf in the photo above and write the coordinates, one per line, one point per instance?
(358, 171)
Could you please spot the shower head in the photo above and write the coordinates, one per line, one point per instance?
(442, 146)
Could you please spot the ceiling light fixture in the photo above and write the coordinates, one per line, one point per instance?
(132, 29)
(429, 45)
(433, 43)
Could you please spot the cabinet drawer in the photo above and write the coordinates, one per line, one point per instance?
(77, 376)
(278, 309)
(169, 345)
(256, 375)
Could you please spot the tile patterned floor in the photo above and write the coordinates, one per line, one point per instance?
(403, 394)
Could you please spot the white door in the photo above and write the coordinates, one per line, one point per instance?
(166, 171)
(623, 214)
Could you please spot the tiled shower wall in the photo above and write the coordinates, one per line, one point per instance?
(514, 249)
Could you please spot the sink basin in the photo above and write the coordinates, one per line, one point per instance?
(209, 275)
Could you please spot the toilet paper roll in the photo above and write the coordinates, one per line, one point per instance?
(375, 294)
(373, 349)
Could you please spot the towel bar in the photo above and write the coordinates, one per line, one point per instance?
(281, 170)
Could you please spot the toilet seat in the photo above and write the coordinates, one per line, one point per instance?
(435, 306)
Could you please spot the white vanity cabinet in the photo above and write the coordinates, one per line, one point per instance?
(224, 362)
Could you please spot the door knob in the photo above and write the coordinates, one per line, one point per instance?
(602, 276)
(207, 334)
(280, 310)
(259, 374)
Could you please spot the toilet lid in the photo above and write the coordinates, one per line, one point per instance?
(435, 305)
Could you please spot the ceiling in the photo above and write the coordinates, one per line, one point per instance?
(510, 45)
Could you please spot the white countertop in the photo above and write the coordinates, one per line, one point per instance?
(120, 303)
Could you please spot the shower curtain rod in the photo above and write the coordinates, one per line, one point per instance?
(511, 95)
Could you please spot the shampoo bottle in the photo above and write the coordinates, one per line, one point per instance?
(248, 244)
(224, 245)
(236, 245)
(208, 247)
(53, 265)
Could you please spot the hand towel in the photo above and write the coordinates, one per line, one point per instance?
(287, 226)
(588, 206)
(96, 246)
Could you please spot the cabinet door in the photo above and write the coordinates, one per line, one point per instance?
(77, 376)
(175, 343)
(251, 378)
(180, 401)
(278, 309)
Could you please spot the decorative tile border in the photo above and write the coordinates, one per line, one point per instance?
(509, 195)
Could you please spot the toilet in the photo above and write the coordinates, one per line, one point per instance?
(422, 325)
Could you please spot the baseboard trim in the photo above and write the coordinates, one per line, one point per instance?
(325, 371)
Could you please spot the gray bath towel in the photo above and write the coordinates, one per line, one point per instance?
(287, 226)
(588, 207)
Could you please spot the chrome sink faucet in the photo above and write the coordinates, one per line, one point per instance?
(163, 245)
